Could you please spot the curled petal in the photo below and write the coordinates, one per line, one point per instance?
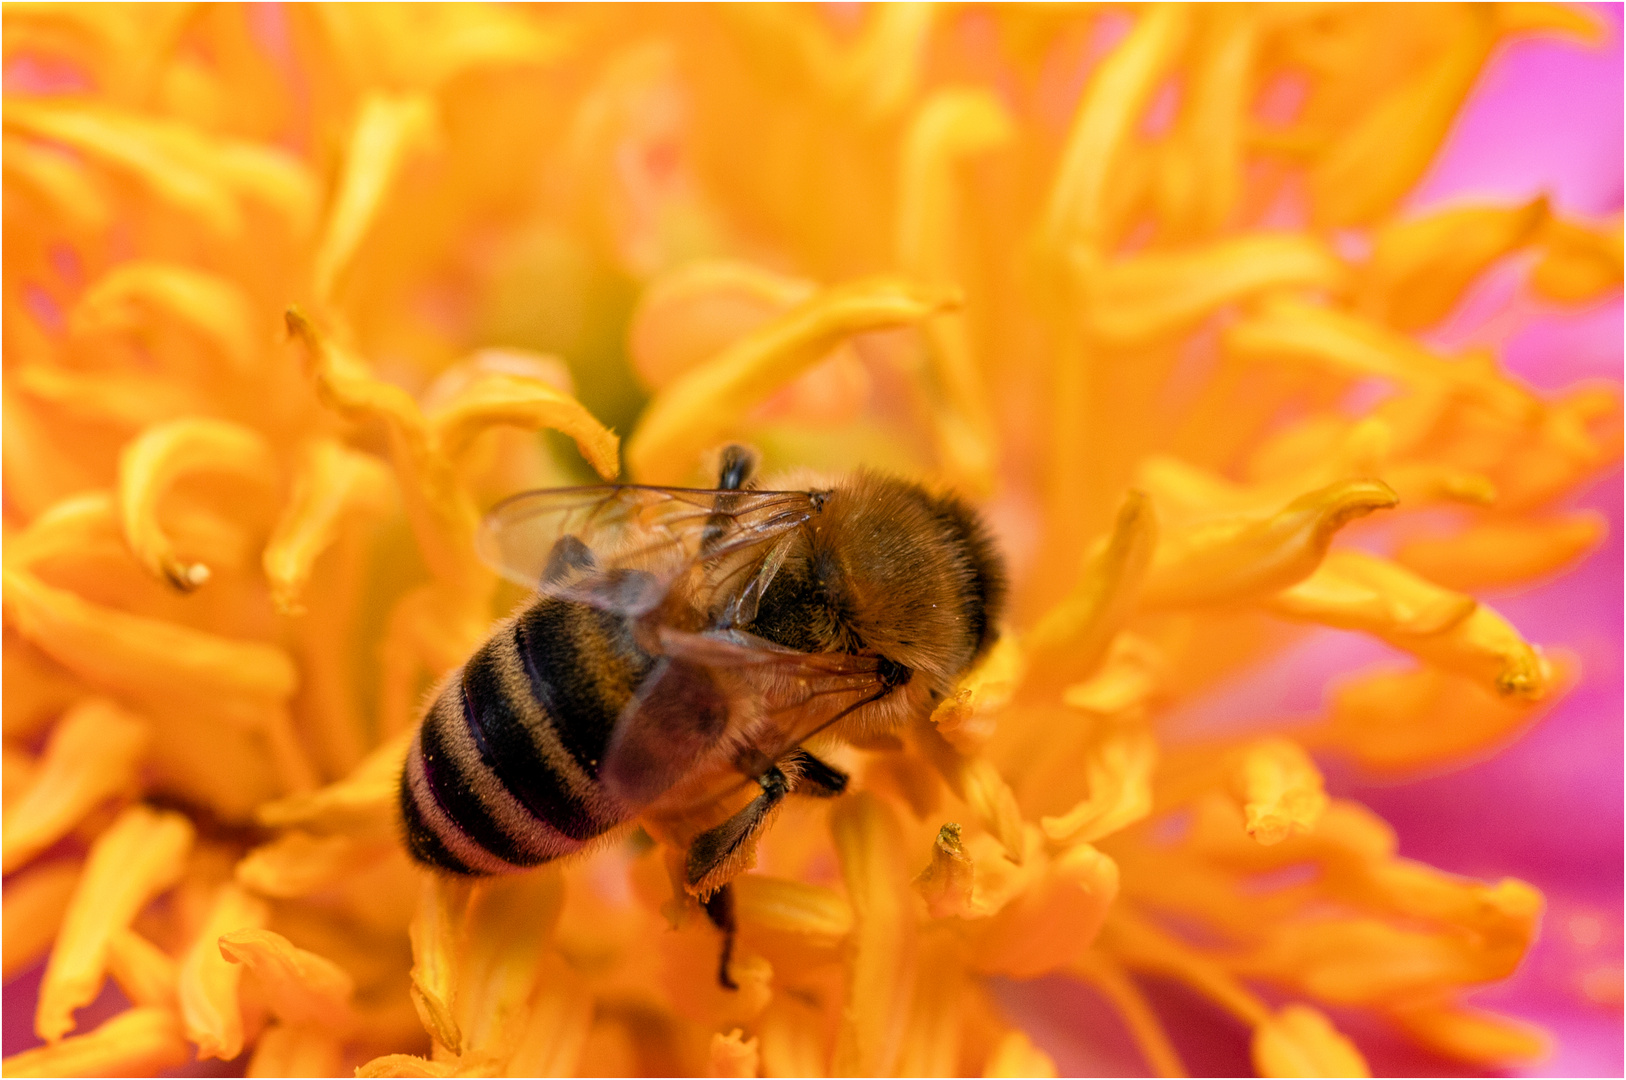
(949, 879)
(137, 1042)
(200, 174)
(734, 1055)
(154, 462)
(1300, 1041)
(35, 900)
(1102, 125)
(1379, 157)
(208, 985)
(388, 129)
(332, 480)
(698, 409)
(435, 931)
(1116, 985)
(1141, 945)
(554, 1033)
(953, 123)
(138, 146)
(966, 717)
(1579, 263)
(300, 987)
(1472, 1035)
(495, 399)
(1050, 923)
(140, 855)
(358, 802)
(1234, 559)
(1138, 298)
(1391, 721)
(130, 400)
(406, 1065)
(145, 657)
(145, 973)
(819, 914)
(1280, 790)
(91, 756)
(298, 864)
(1015, 1055)
(1356, 591)
(1420, 268)
(62, 182)
(1119, 774)
(697, 310)
(1124, 684)
(1285, 329)
(1504, 552)
(1073, 636)
(296, 1050)
(881, 969)
(443, 516)
(509, 926)
(137, 292)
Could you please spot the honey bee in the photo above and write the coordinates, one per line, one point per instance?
(682, 645)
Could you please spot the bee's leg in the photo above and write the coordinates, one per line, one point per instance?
(737, 467)
(720, 910)
(567, 554)
(716, 853)
(812, 776)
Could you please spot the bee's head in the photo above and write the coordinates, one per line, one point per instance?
(907, 574)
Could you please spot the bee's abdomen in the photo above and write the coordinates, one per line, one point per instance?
(503, 772)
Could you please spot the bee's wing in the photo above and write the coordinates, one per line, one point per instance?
(619, 547)
(727, 693)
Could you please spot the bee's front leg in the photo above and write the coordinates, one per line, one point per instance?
(716, 854)
(720, 910)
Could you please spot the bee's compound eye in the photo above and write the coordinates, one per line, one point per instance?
(892, 673)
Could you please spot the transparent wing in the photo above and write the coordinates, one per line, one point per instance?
(621, 546)
(731, 694)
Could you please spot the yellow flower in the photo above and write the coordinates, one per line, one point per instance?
(292, 291)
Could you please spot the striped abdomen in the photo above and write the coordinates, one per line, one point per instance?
(503, 772)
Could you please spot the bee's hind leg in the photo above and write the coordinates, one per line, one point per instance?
(568, 553)
(812, 776)
(736, 468)
(716, 854)
(720, 910)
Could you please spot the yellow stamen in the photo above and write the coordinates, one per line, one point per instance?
(139, 1042)
(1474, 1035)
(880, 970)
(734, 1055)
(135, 294)
(1017, 1056)
(1133, 299)
(331, 482)
(700, 408)
(146, 974)
(35, 901)
(821, 915)
(493, 399)
(1503, 552)
(92, 755)
(435, 932)
(159, 459)
(1234, 559)
(1114, 99)
(1420, 268)
(207, 988)
(295, 1050)
(1300, 1041)
(1280, 790)
(1115, 984)
(1579, 262)
(1073, 636)
(387, 130)
(966, 719)
(140, 855)
(948, 881)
